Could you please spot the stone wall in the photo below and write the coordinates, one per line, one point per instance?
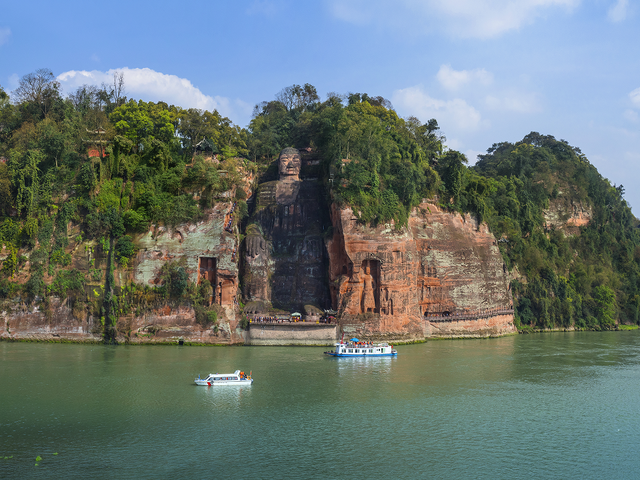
(478, 326)
(291, 334)
(165, 324)
(53, 321)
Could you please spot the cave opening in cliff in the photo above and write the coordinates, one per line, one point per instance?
(208, 270)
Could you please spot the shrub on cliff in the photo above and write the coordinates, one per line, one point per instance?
(124, 249)
(206, 317)
(174, 277)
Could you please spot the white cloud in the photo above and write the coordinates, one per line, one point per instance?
(455, 79)
(635, 97)
(155, 86)
(516, 102)
(460, 18)
(5, 33)
(452, 115)
(95, 57)
(618, 12)
(472, 156)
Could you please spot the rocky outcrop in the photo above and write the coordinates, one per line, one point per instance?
(388, 283)
(567, 214)
(53, 320)
(205, 249)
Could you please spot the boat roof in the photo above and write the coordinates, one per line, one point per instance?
(237, 372)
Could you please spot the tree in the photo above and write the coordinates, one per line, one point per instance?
(113, 94)
(26, 178)
(85, 98)
(297, 97)
(606, 307)
(4, 97)
(40, 89)
(452, 171)
(194, 125)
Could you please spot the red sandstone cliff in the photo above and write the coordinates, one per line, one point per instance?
(439, 276)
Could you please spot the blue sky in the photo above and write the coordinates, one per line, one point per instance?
(487, 70)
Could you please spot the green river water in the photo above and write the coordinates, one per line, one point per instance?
(562, 405)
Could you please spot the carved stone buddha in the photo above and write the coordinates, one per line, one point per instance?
(285, 261)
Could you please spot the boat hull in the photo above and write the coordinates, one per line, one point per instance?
(205, 383)
(333, 354)
(360, 349)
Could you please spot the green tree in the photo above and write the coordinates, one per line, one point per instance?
(606, 308)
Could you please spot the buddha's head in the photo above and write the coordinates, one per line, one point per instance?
(367, 270)
(289, 164)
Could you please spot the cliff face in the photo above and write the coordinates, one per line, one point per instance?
(439, 276)
(285, 261)
(206, 249)
(421, 281)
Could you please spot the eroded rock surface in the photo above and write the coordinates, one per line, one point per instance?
(387, 283)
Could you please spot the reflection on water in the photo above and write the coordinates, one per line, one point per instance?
(222, 398)
(362, 365)
(538, 406)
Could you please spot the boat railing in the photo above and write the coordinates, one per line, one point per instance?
(454, 317)
(361, 347)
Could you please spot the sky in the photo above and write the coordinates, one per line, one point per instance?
(488, 71)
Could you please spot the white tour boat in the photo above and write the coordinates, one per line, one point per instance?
(235, 378)
(354, 348)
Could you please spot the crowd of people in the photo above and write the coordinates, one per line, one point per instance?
(351, 344)
(283, 319)
(270, 319)
(227, 226)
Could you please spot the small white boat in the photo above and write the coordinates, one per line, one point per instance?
(362, 349)
(235, 378)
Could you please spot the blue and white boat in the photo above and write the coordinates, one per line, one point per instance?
(215, 379)
(355, 348)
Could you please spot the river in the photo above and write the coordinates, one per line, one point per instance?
(562, 405)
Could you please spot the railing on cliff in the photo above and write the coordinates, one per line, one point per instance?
(439, 317)
(256, 322)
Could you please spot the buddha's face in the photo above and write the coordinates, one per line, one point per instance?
(367, 270)
(289, 166)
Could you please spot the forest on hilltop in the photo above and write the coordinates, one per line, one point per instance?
(115, 166)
